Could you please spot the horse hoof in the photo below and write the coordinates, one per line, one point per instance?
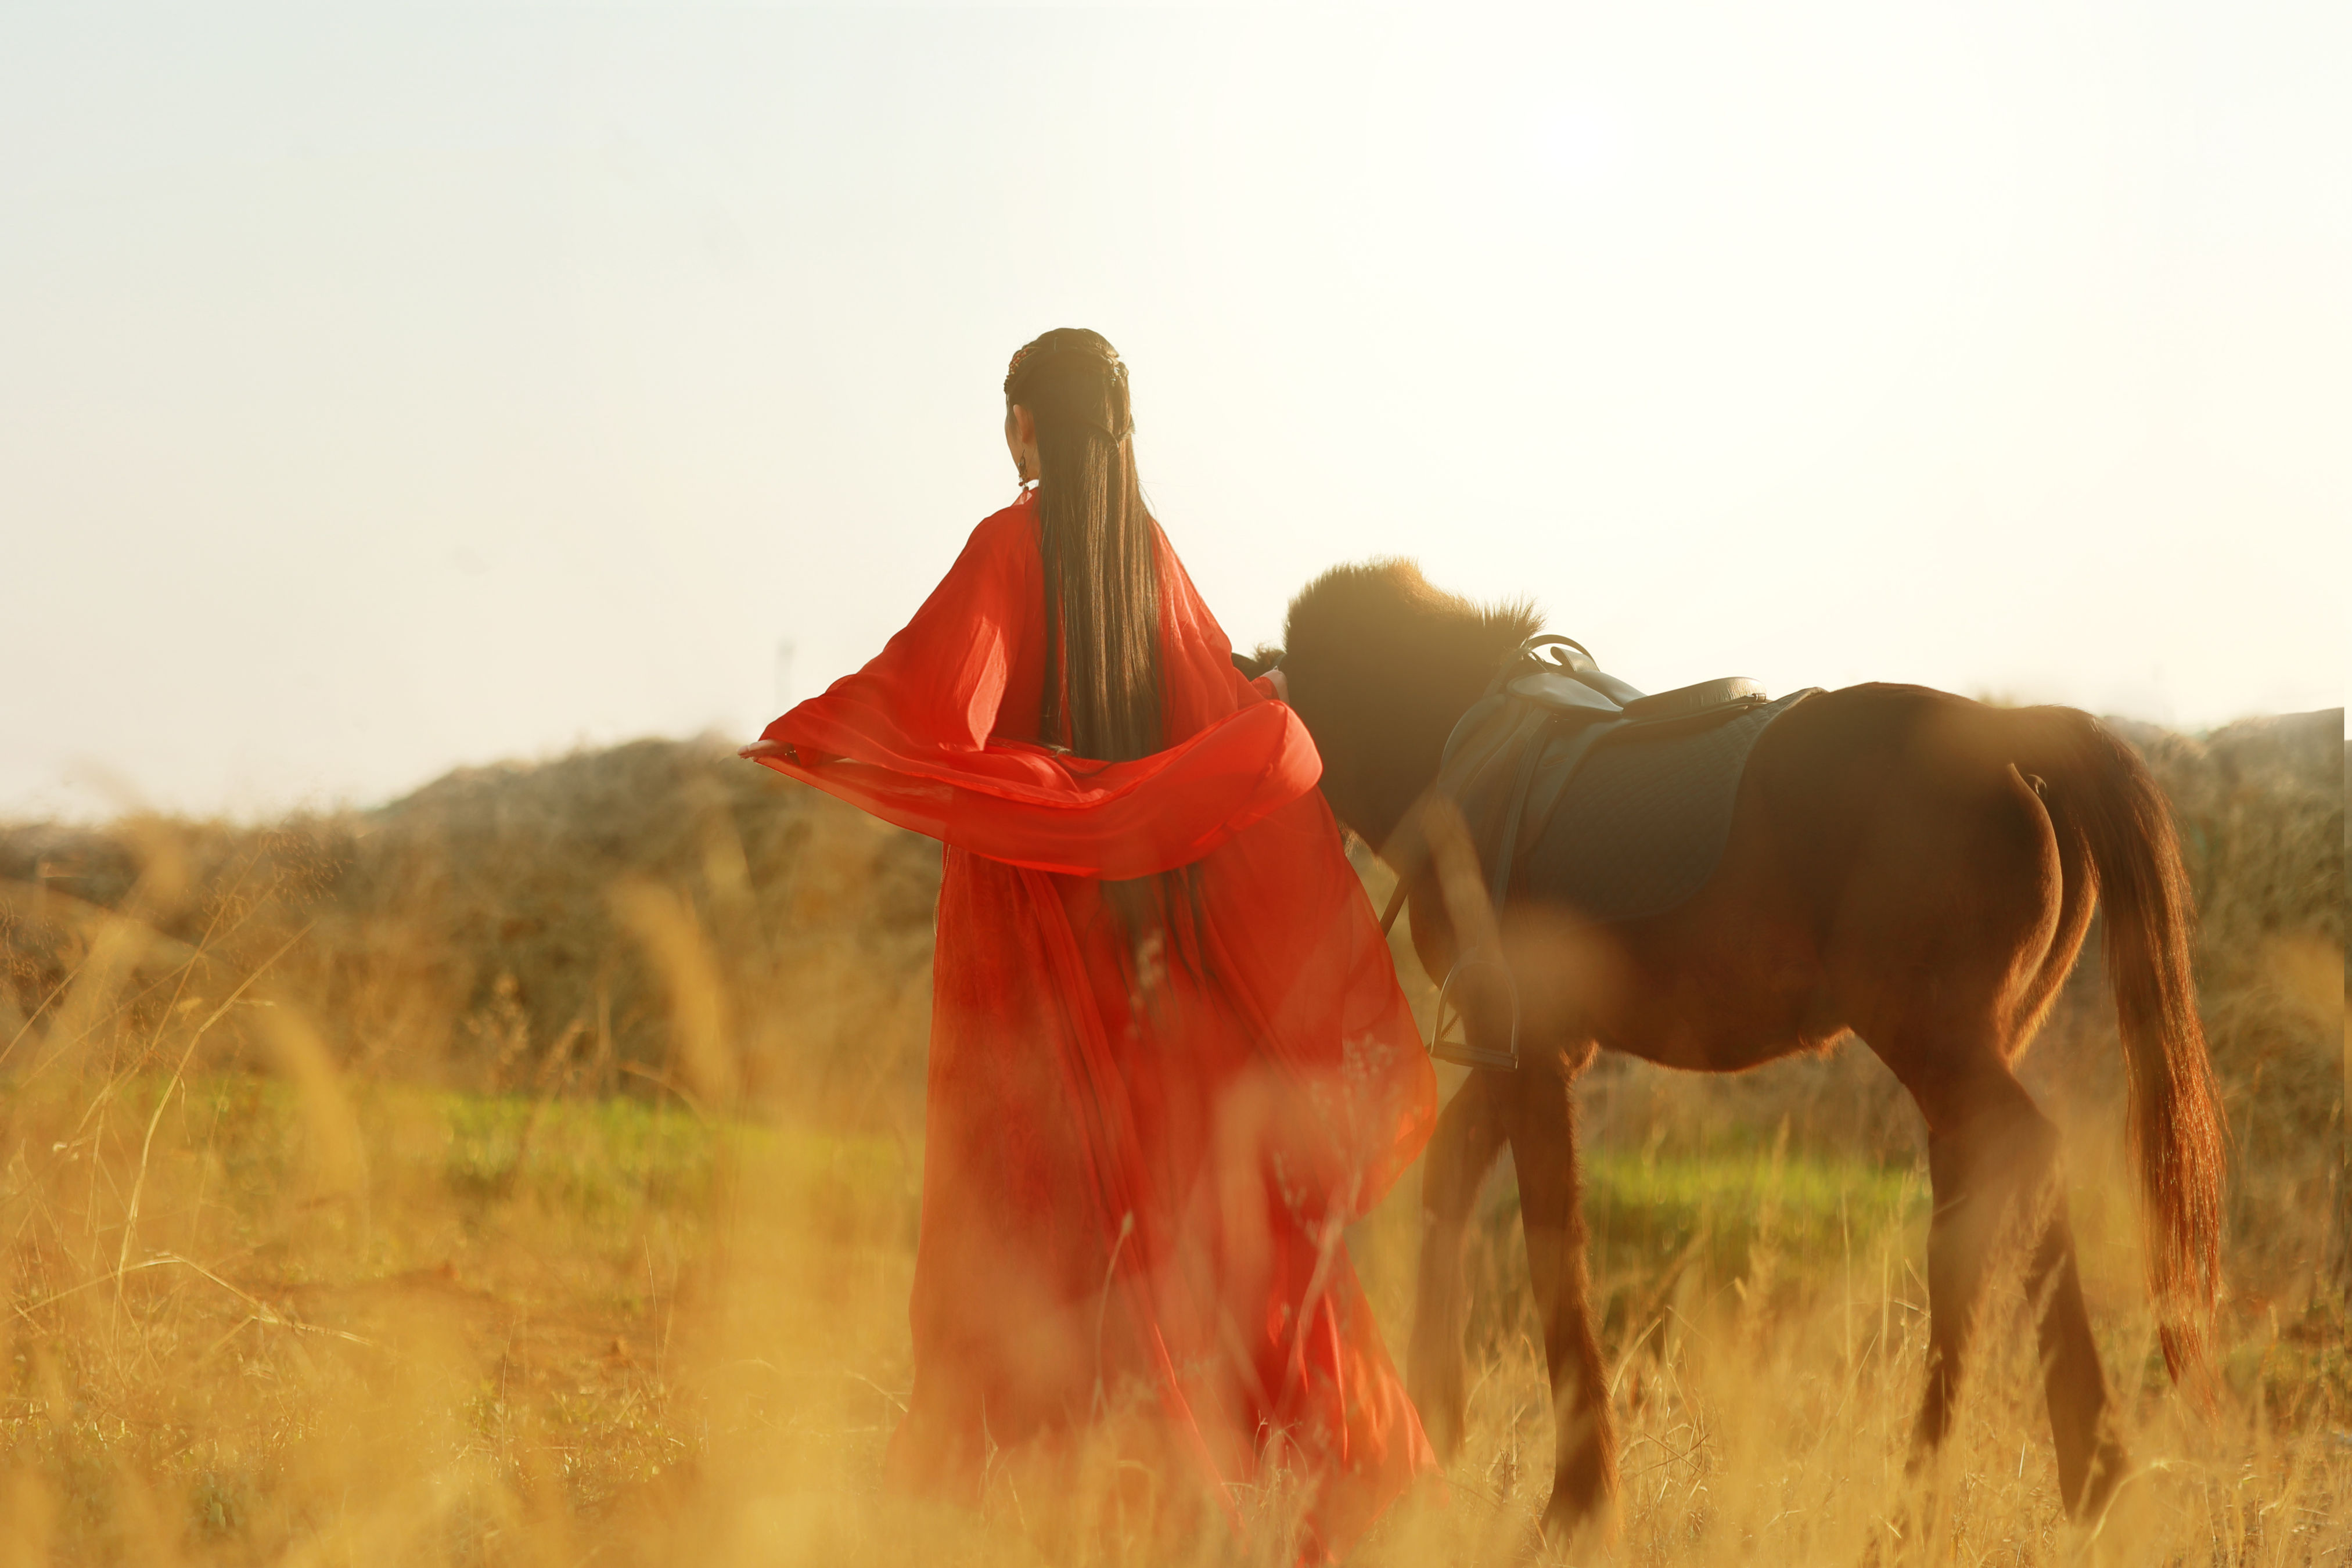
(1444, 1407)
(1442, 1424)
(2111, 1470)
(1578, 1531)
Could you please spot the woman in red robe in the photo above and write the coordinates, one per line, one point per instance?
(1169, 1058)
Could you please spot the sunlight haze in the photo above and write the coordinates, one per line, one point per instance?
(390, 390)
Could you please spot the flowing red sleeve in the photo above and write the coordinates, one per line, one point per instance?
(912, 738)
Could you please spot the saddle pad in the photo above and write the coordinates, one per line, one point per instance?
(1642, 823)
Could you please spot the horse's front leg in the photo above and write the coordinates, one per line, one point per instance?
(1461, 1152)
(1543, 1148)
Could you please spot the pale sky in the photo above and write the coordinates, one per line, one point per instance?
(387, 389)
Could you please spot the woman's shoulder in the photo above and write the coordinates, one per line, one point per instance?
(1000, 561)
(1007, 535)
(1021, 517)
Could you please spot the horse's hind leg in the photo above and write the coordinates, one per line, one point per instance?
(1993, 1159)
(1957, 941)
(1543, 1151)
(1462, 1150)
(2091, 1459)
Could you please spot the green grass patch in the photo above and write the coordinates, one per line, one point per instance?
(601, 1162)
(606, 1162)
(593, 1158)
(1646, 1212)
(1812, 1210)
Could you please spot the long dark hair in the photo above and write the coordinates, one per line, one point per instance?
(1102, 697)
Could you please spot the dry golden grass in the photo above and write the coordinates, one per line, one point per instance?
(526, 1173)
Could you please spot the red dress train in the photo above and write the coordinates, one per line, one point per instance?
(1133, 1197)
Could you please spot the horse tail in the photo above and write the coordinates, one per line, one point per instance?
(2099, 790)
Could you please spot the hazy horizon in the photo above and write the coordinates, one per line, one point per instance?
(385, 392)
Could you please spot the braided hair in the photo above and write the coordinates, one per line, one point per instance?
(1102, 694)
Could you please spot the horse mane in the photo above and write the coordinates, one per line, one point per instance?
(1381, 663)
(1388, 597)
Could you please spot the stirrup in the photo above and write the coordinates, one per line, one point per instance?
(1462, 1052)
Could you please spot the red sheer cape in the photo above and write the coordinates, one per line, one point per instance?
(1133, 1198)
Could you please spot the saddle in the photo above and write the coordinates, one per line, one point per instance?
(1512, 759)
(1511, 756)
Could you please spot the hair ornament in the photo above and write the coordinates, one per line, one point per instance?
(1053, 345)
(1038, 351)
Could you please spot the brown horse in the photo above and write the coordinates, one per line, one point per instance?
(1905, 865)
